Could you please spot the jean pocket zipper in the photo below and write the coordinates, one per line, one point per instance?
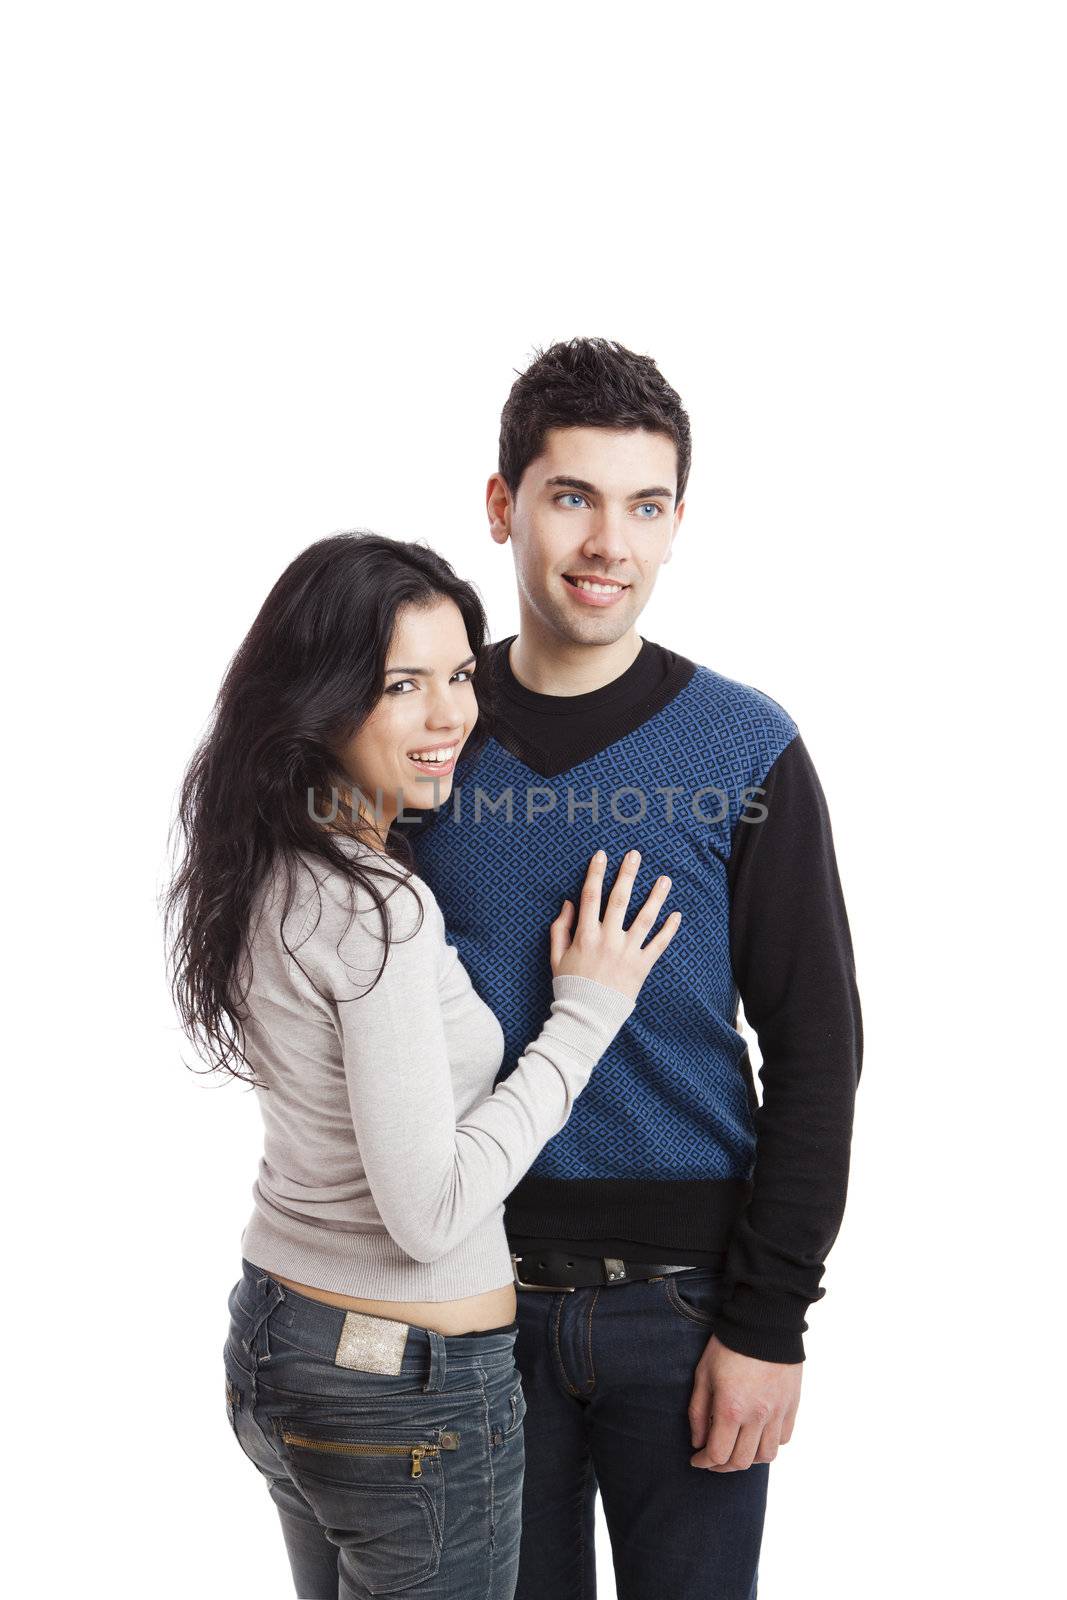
(343, 1447)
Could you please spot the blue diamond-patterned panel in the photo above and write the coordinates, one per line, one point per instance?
(668, 1099)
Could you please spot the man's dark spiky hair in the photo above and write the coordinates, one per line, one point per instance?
(588, 383)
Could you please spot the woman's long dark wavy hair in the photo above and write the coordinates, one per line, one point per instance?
(309, 672)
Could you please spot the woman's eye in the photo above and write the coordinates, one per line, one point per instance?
(465, 672)
(569, 498)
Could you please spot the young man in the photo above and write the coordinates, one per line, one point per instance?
(669, 1240)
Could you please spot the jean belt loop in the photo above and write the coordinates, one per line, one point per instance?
(273, 1298)
(438, 1360)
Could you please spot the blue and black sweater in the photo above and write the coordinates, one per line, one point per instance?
(668, 1154)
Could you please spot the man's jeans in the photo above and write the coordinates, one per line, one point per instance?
(608, 1375)
(386, 1481)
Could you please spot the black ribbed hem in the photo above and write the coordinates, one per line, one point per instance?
(627, 1250)
(671, 1216)
(692, 1214)
(765, 1344)
(763, 1322)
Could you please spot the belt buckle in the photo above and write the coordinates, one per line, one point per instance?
(549, 1288)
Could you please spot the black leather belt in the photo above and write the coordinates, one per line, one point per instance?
(553, 1270)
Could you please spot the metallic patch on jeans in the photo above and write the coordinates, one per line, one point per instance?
(371, 1344)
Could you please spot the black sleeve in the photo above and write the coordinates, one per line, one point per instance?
(793, 963)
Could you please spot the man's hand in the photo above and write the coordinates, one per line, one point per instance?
(750, 1405)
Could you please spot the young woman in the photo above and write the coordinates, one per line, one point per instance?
(370, 1372)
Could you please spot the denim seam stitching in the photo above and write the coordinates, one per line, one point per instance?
(559, 1353)
(687, 1311)
(589, 1337)
(492, 1486)
(581, 1524)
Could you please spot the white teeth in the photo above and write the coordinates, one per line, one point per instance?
(438, 755)
(598, 588)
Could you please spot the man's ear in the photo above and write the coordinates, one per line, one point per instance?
(679, 513)
(498, 507)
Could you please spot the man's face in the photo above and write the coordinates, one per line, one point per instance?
(596, 504)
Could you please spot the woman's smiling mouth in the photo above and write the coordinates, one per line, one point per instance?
(442, 758)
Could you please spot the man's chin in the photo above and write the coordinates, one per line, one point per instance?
(590, 626)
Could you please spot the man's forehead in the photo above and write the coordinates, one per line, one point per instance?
(611, 458)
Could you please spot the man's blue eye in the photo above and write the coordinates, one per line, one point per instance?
(574, 495)
(649, 505)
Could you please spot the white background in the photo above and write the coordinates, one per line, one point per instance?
(270, 270)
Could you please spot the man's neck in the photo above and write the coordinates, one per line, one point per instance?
(545, 664)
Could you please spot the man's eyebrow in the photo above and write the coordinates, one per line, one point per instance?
(427, 672)
(658, 492)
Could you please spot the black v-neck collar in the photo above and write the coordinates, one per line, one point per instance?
(552, 733)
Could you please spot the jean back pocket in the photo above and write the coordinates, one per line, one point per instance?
(380, 1498)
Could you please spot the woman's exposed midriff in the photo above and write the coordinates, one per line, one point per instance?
(492, 1309)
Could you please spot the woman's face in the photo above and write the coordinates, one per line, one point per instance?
(428, 703)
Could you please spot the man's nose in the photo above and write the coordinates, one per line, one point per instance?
(607, 538)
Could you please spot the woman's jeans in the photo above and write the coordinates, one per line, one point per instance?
(395, 1463)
